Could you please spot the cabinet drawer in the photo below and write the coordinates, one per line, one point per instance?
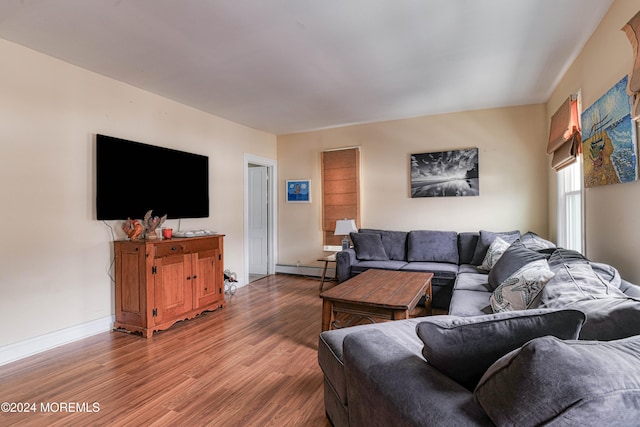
(203, 245)
(170, 249)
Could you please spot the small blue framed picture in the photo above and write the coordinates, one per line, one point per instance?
(298, 191)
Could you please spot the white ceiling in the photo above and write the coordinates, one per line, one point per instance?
(286, 66)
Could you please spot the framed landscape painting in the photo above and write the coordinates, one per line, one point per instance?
(609, 139)
(298, 191)
(445, 174)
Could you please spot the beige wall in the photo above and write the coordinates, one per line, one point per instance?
(54, 255)
(612, 212)
(512, 163)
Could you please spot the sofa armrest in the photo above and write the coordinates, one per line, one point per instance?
(388, 384)
(344, 260)
(630, 289)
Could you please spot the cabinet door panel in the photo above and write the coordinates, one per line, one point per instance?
(130, 307)
(173, 287)
(208, 287)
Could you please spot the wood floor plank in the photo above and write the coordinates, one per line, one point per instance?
(253, 363)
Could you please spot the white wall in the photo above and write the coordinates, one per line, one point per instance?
(512, 165)
(612, 211)
(55, 256)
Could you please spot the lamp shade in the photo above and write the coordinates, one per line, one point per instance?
(345, 226)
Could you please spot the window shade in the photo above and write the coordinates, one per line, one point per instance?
(340, 191)
(565, 141)
(632, 30)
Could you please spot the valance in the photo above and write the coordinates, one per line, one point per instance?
(565, 140)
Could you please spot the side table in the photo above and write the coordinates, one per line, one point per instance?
(327, 260)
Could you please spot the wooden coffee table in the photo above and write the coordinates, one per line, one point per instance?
(376, 295)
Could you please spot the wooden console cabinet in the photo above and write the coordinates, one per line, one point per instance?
(160, 282)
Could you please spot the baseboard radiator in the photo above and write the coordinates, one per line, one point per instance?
(305, 270)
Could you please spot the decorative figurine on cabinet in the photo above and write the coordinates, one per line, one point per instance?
(132, 228)
(151, 223)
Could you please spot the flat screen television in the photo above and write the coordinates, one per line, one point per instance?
(133, 178)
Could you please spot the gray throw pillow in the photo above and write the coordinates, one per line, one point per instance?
(395, 244)
(532, 241)
(485, 240)
(577, 383)
(514, 258)
(368, 247)
(463, 348)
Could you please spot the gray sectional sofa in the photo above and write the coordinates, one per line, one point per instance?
(444, 253)
(480, 367)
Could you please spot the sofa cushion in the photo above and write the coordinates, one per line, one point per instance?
(360, 266)
(515, 257)
(368, 247)
(394, 242)
(630, 289)
(521, 290)
(468, 268)
(532, 241)
(595, 290)
(609, 319)
(430, 245)
(472, 282)
(485, 240)
(463, 348)
(495, 251)
(578, 383)
(390, 386)
(467, 242)
(575, 282)
(330, 349)
(467, 303)
(439, 269)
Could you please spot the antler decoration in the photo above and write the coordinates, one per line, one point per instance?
(151, 223)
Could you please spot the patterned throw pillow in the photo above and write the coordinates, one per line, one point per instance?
(495, 251)
(486, 238)
(521, 290)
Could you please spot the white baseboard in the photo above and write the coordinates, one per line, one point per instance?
(16, 351)
(304, 270)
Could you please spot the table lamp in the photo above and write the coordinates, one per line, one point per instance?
(343, 228)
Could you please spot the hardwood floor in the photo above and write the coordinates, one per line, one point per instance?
(253, 363)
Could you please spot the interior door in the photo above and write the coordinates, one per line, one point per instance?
(258, 220)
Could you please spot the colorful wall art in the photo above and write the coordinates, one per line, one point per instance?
(298, 191)
(609, 139)
(445, 174)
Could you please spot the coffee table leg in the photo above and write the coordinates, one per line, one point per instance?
(324, 273)
(400, 314)
(327, 314)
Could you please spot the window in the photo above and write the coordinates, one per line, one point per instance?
(340, 191)
(570, 207)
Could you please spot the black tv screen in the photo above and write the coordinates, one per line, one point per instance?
(133, 178)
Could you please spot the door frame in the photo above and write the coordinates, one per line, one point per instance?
(272, 209)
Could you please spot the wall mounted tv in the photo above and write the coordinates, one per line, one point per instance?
(132, 178)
